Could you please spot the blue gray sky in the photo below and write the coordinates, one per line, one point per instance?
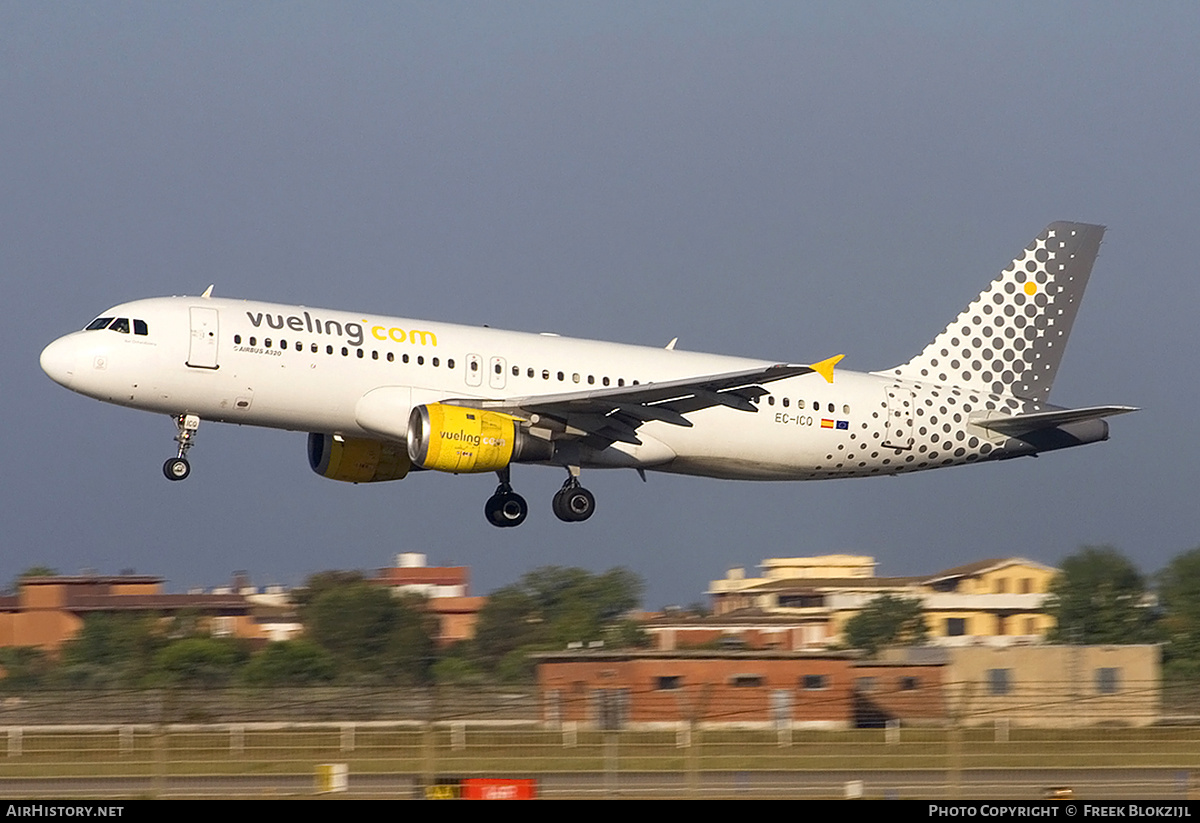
(777, 180)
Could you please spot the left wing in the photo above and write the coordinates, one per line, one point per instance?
(614, 414)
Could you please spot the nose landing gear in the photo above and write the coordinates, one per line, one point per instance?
(178, 468)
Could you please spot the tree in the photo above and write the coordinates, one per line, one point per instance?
(1179, 597)
(1099, 597)
(369, 633)
(298, 662)
(887, 620)
(198, 661)
(321, 582)
(112, 650)
(551, 607)
(24, 669)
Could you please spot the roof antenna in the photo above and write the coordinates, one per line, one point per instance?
(208, 292)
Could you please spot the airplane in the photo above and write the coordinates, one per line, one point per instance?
(385, 396)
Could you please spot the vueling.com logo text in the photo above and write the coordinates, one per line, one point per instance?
(472, 439)
(353, 332)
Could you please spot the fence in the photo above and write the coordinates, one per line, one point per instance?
(399, 743)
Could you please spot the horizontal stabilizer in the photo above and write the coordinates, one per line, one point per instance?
(1017, 424)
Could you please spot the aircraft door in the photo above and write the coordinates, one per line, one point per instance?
(202, 348)
(474, 370)
(496, 375)
(899, 418)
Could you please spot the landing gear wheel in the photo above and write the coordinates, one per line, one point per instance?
(506, 509)
(177, 468)
(573, 504)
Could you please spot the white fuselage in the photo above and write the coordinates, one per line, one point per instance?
(302, 369)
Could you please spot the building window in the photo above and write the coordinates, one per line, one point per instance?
(747, 680)
(865, 684)
(669, 682)
(222, 627)
(999, 682)
(1108, 681)
(909, 684)
(814, 682)
(956, 626)
(801, 601)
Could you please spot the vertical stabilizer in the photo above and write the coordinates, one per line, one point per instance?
(1010, 340)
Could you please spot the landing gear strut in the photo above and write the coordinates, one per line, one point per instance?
(505, 508)
(178, 468)
(573, 503)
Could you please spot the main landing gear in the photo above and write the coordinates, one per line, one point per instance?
(572, 503)
(505, 508)
(178, 468)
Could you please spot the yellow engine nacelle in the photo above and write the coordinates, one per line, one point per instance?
(357, 460)
(460, 440)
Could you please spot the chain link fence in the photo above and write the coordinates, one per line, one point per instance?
(414, 743)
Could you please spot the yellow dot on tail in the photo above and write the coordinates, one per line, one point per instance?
(1030, 287)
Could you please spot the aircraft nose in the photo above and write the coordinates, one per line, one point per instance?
(58, 361)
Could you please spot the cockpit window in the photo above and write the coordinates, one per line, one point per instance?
(98, 323)
(121, 324)
(139, 327)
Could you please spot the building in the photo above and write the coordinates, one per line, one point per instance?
(445, 589)
(1043, 686)
(994, 601)
(735, 689)
(48, 611)
(1053, 685)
